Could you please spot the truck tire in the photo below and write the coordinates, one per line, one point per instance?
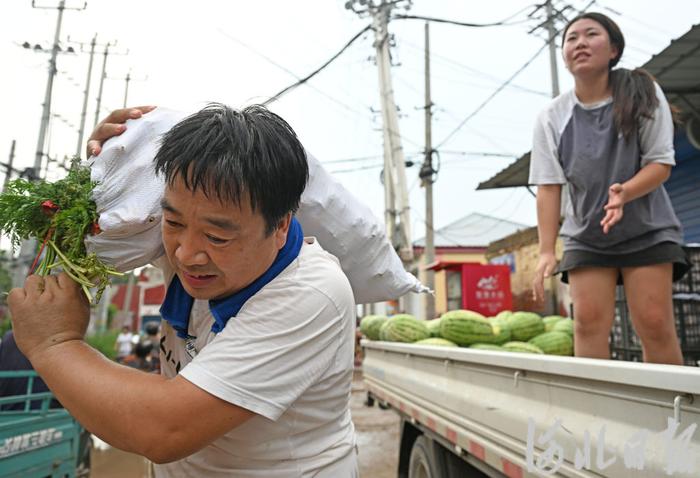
(427, 460)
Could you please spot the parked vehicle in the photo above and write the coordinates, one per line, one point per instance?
(37, 441)
(476, 413)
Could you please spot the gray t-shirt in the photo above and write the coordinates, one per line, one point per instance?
(578, 145)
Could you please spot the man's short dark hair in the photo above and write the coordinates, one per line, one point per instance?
(226, 153)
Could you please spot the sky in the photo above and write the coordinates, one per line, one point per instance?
(185, 54)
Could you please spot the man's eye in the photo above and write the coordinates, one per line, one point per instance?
(172, 223)
(216, 240)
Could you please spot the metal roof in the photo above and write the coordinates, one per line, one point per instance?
(474, 230)
(676, 68)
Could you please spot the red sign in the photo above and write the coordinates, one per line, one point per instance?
(486, 288)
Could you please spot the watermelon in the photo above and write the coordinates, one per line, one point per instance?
(525, 325)
(486, 347)
(433, 327)
(504, 314)
(522, 347)
(404, 328)
(554, 343)
(501, 330)
(370, 325)
(436, 341)
(566, 325)
(465, 327)
(550, 320)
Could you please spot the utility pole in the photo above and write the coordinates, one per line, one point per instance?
(83, 113)
(102, 82)
(103, 77)
(28, 247)
(46, 113)
(10, 160)
(128, 79)
(549, 23)
(426, 176)
(129, 293)
(397, 209)
(126, 87)
(552, 33)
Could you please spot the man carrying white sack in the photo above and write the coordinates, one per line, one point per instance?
(264, 394)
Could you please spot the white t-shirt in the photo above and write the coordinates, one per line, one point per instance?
(288, 357)
(124, 344)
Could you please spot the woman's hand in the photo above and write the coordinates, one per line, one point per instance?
(545, 268)
(613, 209)
(113, 125)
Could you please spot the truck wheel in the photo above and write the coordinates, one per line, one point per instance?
(425, 459)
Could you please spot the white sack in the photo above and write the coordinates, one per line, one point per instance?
(128, 202)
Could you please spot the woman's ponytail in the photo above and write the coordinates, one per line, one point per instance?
(634, 98)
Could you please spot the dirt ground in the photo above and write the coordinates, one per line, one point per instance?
(377, 440)
(377, 435)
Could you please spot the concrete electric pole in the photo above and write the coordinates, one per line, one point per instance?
(102, 82)
(8, 166)
(28, 247)
(103, 77)
(86, 93)
(552, 33)
(397, 209)
(426, 176)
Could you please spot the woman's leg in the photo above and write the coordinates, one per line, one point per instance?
(649, 298)
(593, 294)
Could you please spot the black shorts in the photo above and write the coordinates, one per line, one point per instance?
(661, 253)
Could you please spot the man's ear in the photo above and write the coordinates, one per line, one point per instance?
(282, 230)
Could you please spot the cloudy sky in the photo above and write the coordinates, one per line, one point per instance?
(184, 54)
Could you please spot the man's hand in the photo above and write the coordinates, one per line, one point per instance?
(545, 268)
(113, 125)
(613, 209)
(47, 311)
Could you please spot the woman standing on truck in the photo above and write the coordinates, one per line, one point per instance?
(610, 139)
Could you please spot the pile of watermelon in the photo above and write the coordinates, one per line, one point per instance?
(524, 332)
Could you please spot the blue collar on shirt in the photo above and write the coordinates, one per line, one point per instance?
(177, 305)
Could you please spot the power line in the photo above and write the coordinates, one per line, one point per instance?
(503, 22)
(318, 70)
(476, 72)
(291, 73)
(498, 90)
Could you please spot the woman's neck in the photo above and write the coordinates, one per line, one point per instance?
(593, 89)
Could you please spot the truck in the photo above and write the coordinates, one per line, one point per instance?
(481, 413)
(38, 440)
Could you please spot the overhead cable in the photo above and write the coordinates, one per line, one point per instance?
(318, 70)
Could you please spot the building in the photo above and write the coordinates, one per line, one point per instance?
(463, 241)
(147, 294)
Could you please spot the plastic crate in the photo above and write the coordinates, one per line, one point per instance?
(625, 344)
(690, 283)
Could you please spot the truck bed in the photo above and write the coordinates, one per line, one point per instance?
(525, 415)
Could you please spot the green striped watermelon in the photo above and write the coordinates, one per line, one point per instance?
(525, 325)
(436, 341)
(554, 343)
(404, 328)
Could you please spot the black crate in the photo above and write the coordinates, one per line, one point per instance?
(625, 344)
(690, 283)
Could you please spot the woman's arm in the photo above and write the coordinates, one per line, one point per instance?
(548, 213)
(646, 180)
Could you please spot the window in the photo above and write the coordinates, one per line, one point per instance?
(454, 290)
